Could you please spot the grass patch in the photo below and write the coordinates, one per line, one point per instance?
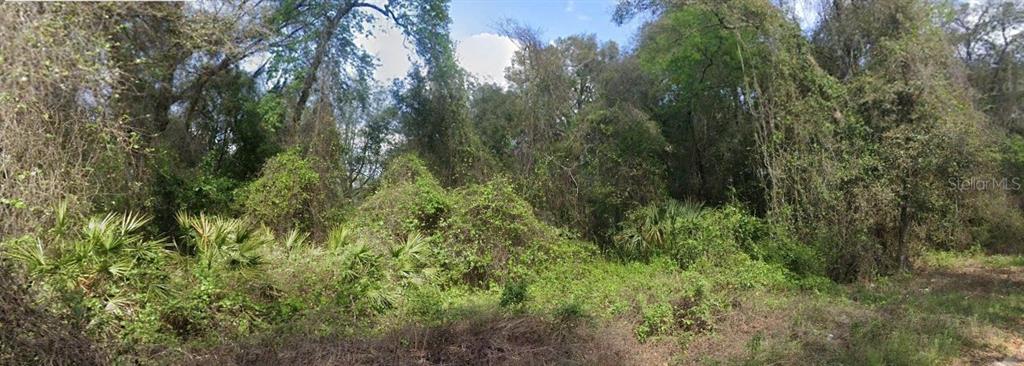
(946, 315)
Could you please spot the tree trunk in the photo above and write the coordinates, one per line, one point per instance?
(904, 231)
(323, 43)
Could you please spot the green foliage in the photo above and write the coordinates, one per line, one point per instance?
(108, 248)
(490, 232)
(436, 121)
(513, 294)
(656, 319)
(610, 162)
(644, 231)
(911, 138)
(105, 272)
(281, 197)
(689, 233)
(624, 168)
(840, 152)
(477, 233)
(720, 68)
(175, 187)
(413, 260)
(409, 199)
(339, 237)
(295, 239)
(228, 243)
(658, 297)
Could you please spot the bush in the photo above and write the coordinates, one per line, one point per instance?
(657, 319)
(177, 187)
(478, 233)
(609, 162)
(409, 199)
(491, 231)
(688, 233)
(513, 294)
(996, 223)
(282, 195)
(107, 273)
(107, 249)
(227, 243)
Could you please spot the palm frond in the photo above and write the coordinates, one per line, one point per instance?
(339, 237)
(28, 251)
(231, 242)
(295, 239)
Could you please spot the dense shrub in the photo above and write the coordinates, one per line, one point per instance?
(409, 199)
(176, 187)
(229, 243)
(490, 230)
(107, 272)
(689, 233)
(282, 195)
(514, 293)
(477, 233)
(133, 292)
(609, 163)
(996, 223)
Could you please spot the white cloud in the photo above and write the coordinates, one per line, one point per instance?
(806, 13)
(570, 6)
(389, 46)
(486, 55)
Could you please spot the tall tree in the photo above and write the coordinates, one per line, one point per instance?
(435, 108)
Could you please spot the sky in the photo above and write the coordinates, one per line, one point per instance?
(484, 53)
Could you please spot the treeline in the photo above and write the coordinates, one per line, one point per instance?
(178, 172)
(866, 136)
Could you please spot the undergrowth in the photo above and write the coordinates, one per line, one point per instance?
(413, 253)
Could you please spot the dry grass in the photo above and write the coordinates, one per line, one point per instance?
(481, 339)
(966, 312)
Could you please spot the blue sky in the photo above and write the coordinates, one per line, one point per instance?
(486, 54)
(555, 18)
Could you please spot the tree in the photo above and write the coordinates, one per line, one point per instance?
(988, 40)
(435, 122)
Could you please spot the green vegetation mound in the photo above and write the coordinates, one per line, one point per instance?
(479, 233)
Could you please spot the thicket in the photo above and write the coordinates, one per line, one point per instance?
(160, 193)
(688, 233)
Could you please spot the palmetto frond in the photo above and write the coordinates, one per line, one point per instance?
(339, 237)
(410, 256)
(113, 245)
(357, 255)
(230, 242)
(295, 239)
(61, 221)
(28, 251)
